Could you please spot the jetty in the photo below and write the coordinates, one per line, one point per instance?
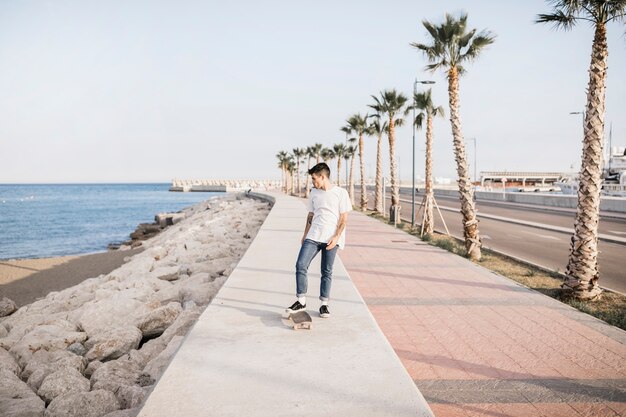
(223, 185)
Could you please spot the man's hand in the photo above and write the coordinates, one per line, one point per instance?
(332, 242)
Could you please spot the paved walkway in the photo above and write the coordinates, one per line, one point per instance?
(478, 344)
(240, 359)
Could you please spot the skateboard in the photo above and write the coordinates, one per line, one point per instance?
(300, 320)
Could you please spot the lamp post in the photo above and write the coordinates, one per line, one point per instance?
(347, 162)
(413, 124)
(583, 114)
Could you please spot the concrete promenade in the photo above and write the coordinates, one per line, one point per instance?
(478, 344)
(241, 359)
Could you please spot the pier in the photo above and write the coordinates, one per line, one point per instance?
(222, 185)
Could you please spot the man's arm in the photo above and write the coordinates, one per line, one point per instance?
(309, 220)
(341, 226)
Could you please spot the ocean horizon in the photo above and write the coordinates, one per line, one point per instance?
(39, 220)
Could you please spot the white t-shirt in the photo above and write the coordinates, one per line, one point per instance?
(326, 207)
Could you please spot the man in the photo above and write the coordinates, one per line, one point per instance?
(324, 231)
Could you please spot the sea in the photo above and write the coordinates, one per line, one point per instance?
(45, 220)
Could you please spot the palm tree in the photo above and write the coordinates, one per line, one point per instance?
(317, 150)
(452, 46)
(283, 158)
(340, 150)
(350, 153)
(298, 153)
(392, 104)
(423, 101)
(582, 268)
(358, 125)
(310, 153)
(378, 127)
(327, 154)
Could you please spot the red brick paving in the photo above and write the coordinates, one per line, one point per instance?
(477, 344)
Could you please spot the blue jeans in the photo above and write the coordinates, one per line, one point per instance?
(308, 251)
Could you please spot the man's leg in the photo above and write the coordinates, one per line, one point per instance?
(308, 250)
(328, 260)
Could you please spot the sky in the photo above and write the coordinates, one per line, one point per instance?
(148, 91)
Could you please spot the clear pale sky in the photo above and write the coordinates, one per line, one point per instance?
(147, 91)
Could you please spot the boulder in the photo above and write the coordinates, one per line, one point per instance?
(101, 315)
(77, 349)
(130, 396)
(131, 412)
(91, 368)
(157, 366)
(181, 325)
(8, 362)
(113, 374)
(83, 404)
(62, 382)
(16, 399)
(56, 336)
(44, 363)
(7, 306)
(156, 321)
(166, 273)
(113, 343)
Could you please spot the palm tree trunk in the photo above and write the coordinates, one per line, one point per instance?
(395, 188)
(339, 171)
(429, 221)
(470, 222)
(298, 174)
(378, 195)
(362, 169)
(582, 268)
(351, 180)
(306, 186)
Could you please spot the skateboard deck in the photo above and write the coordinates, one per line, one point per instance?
(300, 320)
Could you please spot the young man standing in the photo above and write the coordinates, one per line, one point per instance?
(324, 231)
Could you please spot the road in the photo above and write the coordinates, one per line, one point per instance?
(539, 246)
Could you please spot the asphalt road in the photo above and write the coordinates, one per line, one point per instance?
(543, 247)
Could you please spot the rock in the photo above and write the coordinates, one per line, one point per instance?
(91, 368)
(57, 336)
(130, 396)
(181, 325)
(155, 322)
(7, 306)
(16, 399)
(156, 366)
(8, 362)
(115, 311)
(166, 273)
(44, 363)
(62, 382)
(113, 374)
(77, 349)
(113, 343)
(131, 412)
(83, 404)
(3, 331)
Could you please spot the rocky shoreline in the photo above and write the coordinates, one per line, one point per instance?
(97, 348)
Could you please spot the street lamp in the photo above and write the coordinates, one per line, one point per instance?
(583, 114)
(347, 162)
(413, 123)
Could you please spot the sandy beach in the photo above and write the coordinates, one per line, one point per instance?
(27, 280)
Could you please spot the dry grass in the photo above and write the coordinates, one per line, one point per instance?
(610, 307)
